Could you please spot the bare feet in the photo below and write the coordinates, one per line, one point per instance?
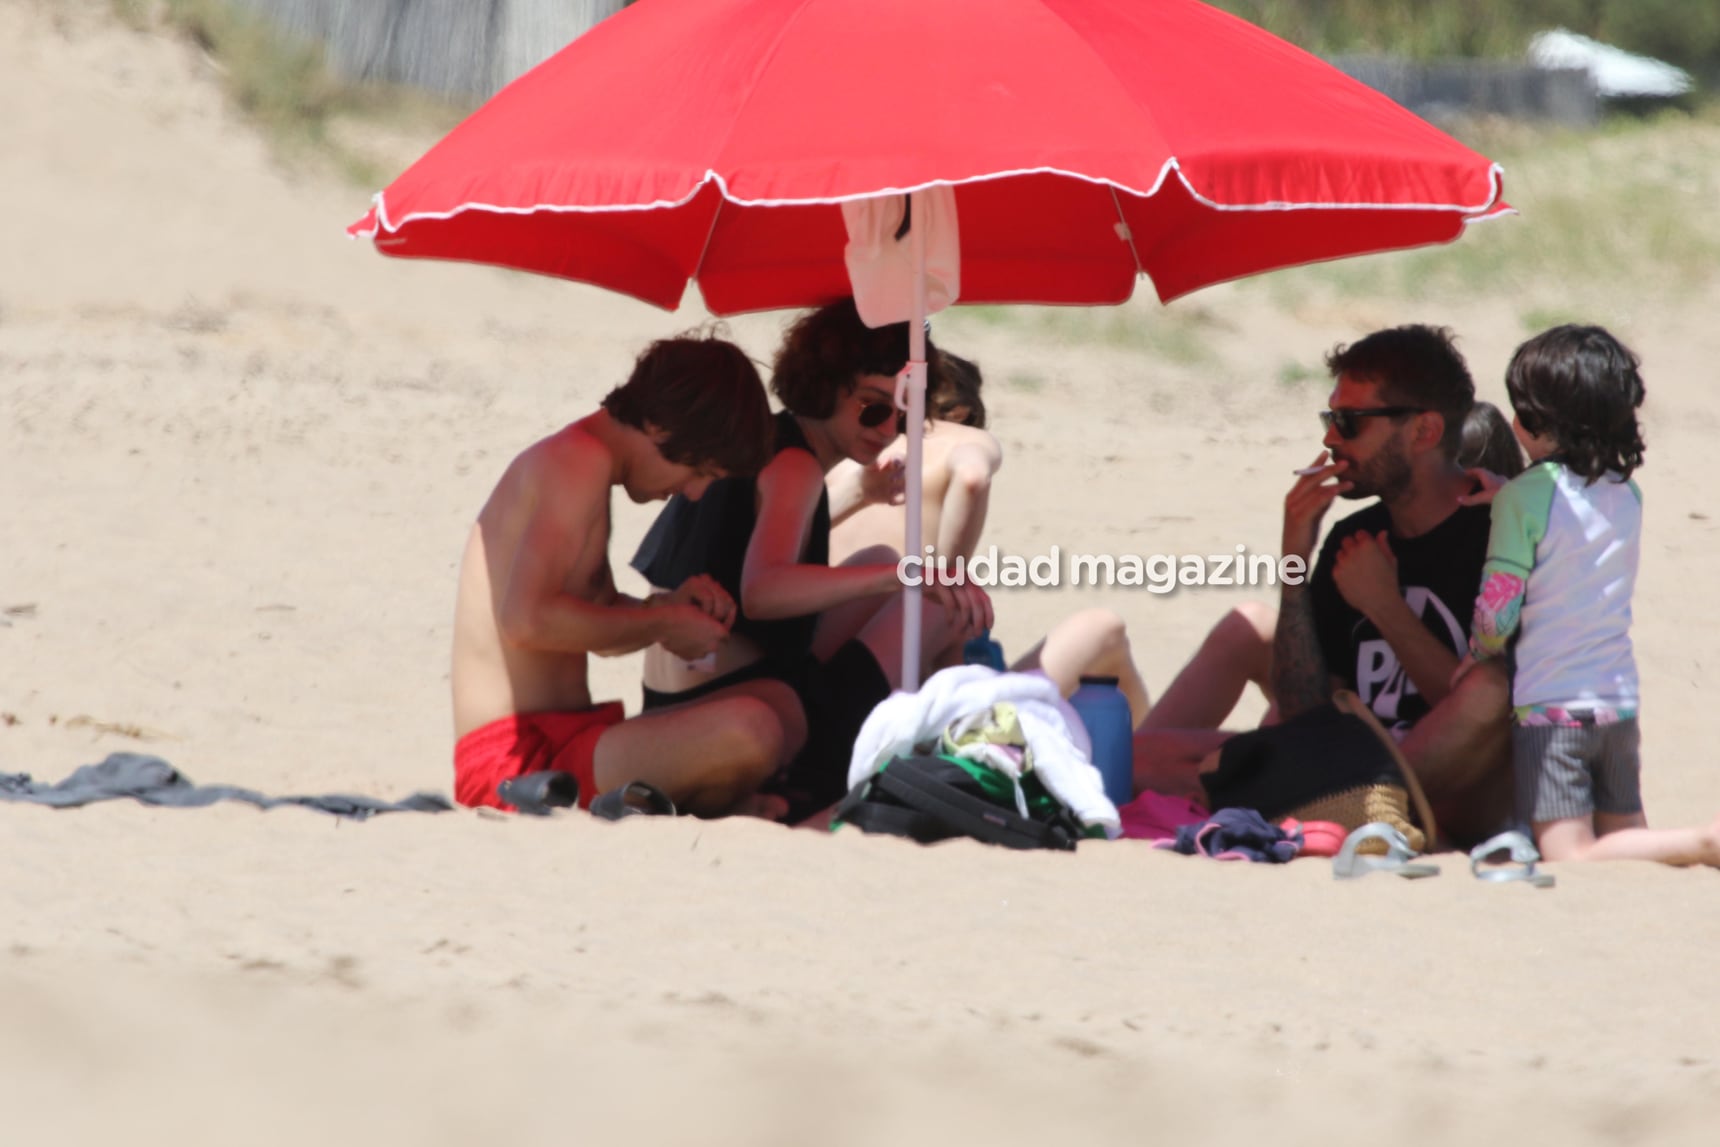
(1710, 854)
(765, 806)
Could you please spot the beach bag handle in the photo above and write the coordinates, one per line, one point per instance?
(1346, 701)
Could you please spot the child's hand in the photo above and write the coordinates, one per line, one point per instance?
(1489, 483)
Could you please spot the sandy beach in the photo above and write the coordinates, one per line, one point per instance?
(239, 460)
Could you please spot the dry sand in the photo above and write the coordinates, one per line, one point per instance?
(239, 458)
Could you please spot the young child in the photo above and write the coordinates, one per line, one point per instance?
(1490, 443)
(1561, 565)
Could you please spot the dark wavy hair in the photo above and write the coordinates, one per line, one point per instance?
(1414, 365)
(826, 351)
(706, 395)
(1489, 443)
(1581, 387)
(958, 385)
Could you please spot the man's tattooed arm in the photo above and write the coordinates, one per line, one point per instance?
(1300, 680)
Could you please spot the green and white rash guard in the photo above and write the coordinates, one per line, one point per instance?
(1561, 566)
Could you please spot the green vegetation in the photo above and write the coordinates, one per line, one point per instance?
(1179, 335)
(1683, 32)
(285, 87)
(1630, 205)
(1537, 319)
(1292, 374)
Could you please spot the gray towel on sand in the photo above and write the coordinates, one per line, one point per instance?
(154, 781)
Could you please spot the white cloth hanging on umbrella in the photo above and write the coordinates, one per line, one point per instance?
(896, 271)
(880, 260)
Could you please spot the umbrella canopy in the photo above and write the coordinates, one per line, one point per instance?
(1089, 141)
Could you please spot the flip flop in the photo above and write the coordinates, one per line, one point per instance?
(1319, 837)
(1518, 863)
(636, 798)
(1350, 865)
(538, 794)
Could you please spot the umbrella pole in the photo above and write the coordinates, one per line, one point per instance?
(916, 406)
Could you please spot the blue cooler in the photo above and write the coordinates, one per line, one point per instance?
(1105, 712)
(982, 650)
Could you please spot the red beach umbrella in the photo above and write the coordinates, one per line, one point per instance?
(1087, 143)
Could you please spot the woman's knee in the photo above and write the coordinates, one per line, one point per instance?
(1105, 631)
(1259, 618)
(1254, 619)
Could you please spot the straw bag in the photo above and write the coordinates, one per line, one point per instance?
(1335, 763)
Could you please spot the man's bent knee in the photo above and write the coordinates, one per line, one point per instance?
(750, 744)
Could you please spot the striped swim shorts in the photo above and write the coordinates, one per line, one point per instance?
(1565, 771)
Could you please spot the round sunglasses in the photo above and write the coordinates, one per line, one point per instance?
(1346, 419)
(875, 414)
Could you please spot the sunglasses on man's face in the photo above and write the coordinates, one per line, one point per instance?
(875, 414)
(1346, 420)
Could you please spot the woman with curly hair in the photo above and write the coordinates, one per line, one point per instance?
(767, 541)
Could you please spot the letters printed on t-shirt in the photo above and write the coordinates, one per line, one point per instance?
(1380, 678)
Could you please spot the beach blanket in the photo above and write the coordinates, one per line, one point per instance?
(155, 782)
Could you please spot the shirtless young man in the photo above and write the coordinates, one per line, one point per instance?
(537, 596)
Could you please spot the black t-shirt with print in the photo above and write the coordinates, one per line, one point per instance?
(1439, 573)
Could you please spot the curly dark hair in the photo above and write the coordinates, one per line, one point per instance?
(958, 386)
(706, 394)
(826, 351)
(1414, 365)
(1581, 387)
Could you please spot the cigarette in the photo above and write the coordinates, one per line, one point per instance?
(1307, 470)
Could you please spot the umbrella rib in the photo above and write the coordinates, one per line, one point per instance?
(1126, 232)
(709, 234)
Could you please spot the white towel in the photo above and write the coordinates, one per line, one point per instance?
(1062, 752)
(880, 266)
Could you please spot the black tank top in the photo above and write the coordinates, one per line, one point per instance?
(710, 536)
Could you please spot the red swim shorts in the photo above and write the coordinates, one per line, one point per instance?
(523, 743)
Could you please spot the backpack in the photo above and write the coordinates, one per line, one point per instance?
(933, 798)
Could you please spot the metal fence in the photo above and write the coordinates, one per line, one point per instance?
(474, 47)
(1447, 89)
(456, 47)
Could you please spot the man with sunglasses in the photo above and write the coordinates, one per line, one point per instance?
(1386, 610)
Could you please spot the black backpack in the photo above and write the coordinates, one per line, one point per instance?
(928, 799)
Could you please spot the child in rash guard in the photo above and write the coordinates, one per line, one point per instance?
(1556, 589)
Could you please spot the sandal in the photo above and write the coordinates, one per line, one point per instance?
(636, 798)
(538, 794)
(1518, 863)
(1349, 864)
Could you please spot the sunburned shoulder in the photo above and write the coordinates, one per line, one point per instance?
(571, 459)
(571, 454)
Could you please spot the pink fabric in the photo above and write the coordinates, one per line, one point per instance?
(1319, 837)
(1154, 816)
